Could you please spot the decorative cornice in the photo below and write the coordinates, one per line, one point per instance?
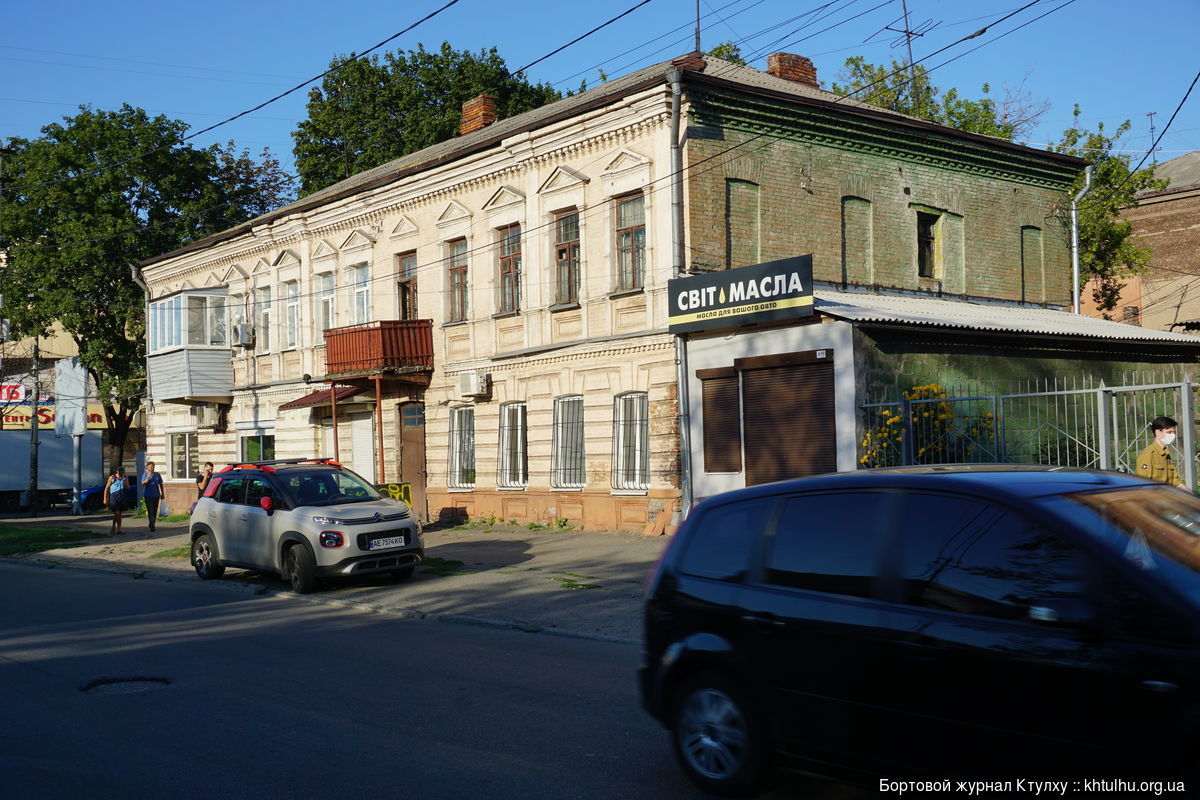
(843, 131)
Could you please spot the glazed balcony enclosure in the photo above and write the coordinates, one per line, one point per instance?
(389, 348)
(188, 348)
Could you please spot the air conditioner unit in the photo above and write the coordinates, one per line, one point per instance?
(243, 335)
(473, 383)
(207, 415)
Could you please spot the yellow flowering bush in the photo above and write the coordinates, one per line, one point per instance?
(940, 436)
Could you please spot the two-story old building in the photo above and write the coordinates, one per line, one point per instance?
(490, 319)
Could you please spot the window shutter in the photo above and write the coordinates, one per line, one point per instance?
(722, 424)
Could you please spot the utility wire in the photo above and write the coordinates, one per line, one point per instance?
(577, 39)
(241, 114)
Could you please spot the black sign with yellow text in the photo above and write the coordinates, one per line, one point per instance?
(770, 291)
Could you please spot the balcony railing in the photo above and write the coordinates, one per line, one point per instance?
(379, 347)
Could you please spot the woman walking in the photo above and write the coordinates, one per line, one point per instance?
(116, 497)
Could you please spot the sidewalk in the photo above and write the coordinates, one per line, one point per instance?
(572, 583)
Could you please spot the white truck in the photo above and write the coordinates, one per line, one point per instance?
(56, 467)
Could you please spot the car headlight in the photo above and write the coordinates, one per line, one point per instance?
(326, 521)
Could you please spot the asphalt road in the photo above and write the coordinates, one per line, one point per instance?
(209, 690)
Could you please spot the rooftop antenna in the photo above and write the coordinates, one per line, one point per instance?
(697, 26)
(908, 33)
(1153, 157)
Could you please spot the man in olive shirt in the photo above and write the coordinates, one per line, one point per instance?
(1154, 462)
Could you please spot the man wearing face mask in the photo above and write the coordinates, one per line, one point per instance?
(1155, 462)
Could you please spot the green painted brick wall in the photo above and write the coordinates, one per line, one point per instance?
(803, 190)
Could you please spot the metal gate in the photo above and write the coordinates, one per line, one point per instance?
(1100, 428)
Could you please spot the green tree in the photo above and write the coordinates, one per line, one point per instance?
(88, 199)
(256, 186)
(907, 89)
(1107, 253)
(367, 112)
(728, 51)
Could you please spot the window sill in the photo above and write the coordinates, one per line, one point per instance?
(460, 489)
(511, 488)
(454, 323)
(625, 293)
(506, 314)
(567, 488)
(629, 492)
(564, 307)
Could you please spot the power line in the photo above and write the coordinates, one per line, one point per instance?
(577, 39)
(241, 114)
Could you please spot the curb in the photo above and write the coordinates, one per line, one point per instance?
(260, 589)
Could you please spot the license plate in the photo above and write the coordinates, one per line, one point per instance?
(391, 541)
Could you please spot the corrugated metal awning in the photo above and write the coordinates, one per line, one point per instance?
(321, 397)
(931, 312)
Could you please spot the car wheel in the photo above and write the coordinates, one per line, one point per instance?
(204, 558)
(715, 736)
(404, 573)
(300, 569)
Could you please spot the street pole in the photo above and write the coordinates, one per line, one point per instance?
(33, 430)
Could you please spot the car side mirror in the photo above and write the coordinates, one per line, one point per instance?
(267, 504)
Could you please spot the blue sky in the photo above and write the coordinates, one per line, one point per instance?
(205, 62)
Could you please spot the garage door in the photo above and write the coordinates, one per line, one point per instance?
(788, 416)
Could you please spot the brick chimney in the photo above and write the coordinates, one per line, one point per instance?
(477, 113)
(792, 67)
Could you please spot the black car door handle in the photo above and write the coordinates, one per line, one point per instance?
(762, 619)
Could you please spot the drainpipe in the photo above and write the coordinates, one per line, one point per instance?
(674, 77)
(148, 400)
(1087, 187)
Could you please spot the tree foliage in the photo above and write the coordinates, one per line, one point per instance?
(93, 196)
(367, 112)
(729, 51)
(908, 90)
(1107, 253)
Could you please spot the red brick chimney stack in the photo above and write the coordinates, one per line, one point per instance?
(477, 113)
(792, 67)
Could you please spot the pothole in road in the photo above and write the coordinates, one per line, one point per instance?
(123, 685)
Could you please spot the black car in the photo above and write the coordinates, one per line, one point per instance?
(931, 622)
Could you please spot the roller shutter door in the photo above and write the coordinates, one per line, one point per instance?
(788, 416)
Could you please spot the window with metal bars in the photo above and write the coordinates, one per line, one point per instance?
(631, 441)
(508, 244)
(566, 257)
(631, 240)
(456, 259)
(569, 469)
(264, 319)
(462, 448)
(514, 462)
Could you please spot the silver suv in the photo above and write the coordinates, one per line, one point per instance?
(305, 519)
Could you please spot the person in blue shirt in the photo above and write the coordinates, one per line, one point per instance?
(152, 492)
(116, 497)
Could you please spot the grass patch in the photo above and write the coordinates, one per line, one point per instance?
(15, 540)
(174, 552)
(141, 514)
(571, 583)
(443, 567)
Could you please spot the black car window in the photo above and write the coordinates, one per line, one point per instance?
(231, 490)
(829, 542)
(974, 557)
(257, 489)
(722, 543)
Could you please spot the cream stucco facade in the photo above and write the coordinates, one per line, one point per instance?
(607, 343)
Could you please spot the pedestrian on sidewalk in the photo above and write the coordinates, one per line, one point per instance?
(116, 496)
(202, 480)
(1154, 462)
(152, 491)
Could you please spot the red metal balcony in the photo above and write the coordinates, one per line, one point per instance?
(377, 348)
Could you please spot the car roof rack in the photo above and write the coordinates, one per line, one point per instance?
(269, 466)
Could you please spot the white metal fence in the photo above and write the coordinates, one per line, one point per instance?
(1103, 427)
